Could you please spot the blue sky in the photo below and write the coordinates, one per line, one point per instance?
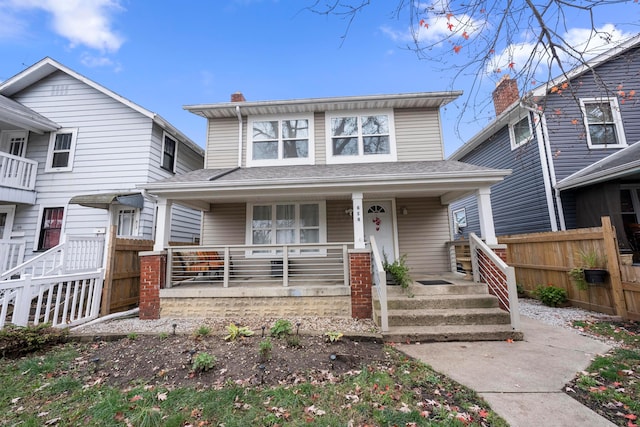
(164, 54)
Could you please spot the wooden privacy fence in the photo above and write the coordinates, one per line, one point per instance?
(121, 289)
(546, 259)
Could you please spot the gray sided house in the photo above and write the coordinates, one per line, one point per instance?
(72, 153)
(571, 146)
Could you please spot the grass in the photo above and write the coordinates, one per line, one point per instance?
(54, 388)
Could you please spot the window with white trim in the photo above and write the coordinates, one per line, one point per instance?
(460, 217)
(280, 140)
(360, 137)
(286, 223)
(169, 149)
(127, 221)
(14, 142)
(520, 132)
(603, 122)
(50, 228)
(62, 146)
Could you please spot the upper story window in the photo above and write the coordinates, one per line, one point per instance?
(603, 122)
(360, 137)
(169, 148)
(520, 132)
(14, 142)
(62, 145)
(275, 141)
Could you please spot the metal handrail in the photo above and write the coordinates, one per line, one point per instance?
(379, 284)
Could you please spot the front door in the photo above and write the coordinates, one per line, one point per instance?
(378, 222)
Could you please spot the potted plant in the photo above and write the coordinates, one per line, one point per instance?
(397, 272)
(592, 271)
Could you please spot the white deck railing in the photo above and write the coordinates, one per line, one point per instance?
(64, 300)
(489, 268)
(17, 172)
(285, 265)
(380, 284)
(76, 254)
(11, 253)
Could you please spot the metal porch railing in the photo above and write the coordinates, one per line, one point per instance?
(379, 284)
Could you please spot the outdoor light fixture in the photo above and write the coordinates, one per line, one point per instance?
(297, 327)
(349, 211)
(405, 211)
(174, 326)
(262, 368)
(263, 328)
(96, 362)
(332, 358)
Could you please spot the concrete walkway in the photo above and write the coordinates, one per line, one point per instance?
(521, 381)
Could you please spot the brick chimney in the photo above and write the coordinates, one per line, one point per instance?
(505, 94)
(237, 97)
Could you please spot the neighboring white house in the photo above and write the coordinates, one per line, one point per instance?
(71, 155)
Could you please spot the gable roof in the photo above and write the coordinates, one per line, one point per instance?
(16, 114)
(48, 66)
(517, 109)
(309, 105)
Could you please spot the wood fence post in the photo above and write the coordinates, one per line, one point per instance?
(107, 286)
(613, 265)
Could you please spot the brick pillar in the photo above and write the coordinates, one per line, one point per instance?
(152, 278)
(501, 252)
(360, 279)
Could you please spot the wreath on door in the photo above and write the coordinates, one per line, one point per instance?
(377, 221)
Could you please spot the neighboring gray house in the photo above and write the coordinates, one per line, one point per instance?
(71, 155)
(572, 163)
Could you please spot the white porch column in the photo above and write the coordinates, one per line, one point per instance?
(485, 212)
(163, 224)
(358, 222)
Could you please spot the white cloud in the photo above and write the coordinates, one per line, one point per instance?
(92, 61)
(82, 22)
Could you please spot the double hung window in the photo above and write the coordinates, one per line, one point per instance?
(50, 228)
(280, 141)
(360, 137)
(169, 147)
(603, 123)
(61, 150)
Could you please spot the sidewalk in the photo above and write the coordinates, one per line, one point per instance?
(521, 381)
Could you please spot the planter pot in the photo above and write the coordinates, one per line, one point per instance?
(390, 280)
(595, 276)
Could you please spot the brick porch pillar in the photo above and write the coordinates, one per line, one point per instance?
(152, 278)
(360, 280)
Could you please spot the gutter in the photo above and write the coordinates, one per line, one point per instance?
(239, 135)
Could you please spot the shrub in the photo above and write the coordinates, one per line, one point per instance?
(281, 328)
(264, 350)
(332, 336)
(19, 340)
(203, 362)
(398, 270)
(293, 341)
(202, 331)
(551, 295)
(237, 331)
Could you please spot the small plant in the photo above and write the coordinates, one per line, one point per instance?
(398, 271)
(281, 328)
(264, 350)
(293, 341)
(19, 340)
(577, 275)
(237, 331)
(202, 331)
(591, 259)
(132, 336)
(163, 336)
(332, 336)
(550, 295)
(203, 362)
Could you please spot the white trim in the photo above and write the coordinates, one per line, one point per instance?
(166, 135)
(512, 136)
(546, 174)
(455, 217)
(360, 157)
(72, 150)
(617, 121)
(322, 227)
(10, 210)
(281, 161)
(552, 172)
(65, 211)
(116, 210)
(5, 135)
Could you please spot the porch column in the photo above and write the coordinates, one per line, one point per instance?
(361, 283)
(163, 224)
(485, 212)
(358, 223)
(152, 277)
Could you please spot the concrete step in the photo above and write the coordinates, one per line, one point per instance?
(453, 289)
(419, 302)
(462, 316)
(423, 334)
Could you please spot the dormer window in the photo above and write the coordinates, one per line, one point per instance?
(276, 141)
(360, 137)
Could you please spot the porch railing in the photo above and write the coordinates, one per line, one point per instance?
(283, 265)
(17, 172)
(379, 284)
(11, 253)
(76, 254)
(64, 300)
(489, 268)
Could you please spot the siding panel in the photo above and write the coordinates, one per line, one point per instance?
(418, 135)
(222, 143)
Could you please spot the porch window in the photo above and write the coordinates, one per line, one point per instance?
(360, 137)
(128, 222)
(280, 141)
(50, 228)
(14, 142)
(520, 132)
(169, 147)
(61, 150)
(287, 223)
(603, 123)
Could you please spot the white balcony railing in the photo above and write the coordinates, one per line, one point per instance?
(17, 172)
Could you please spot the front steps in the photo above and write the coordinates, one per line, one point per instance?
(462, 311)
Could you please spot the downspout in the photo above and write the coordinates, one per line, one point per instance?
(545, 164)
(239, 135)
(552, 169)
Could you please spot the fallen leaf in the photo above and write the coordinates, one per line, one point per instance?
(136, 398)
(162, 397)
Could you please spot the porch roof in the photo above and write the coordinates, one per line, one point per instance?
(446, 178)
(15, 114)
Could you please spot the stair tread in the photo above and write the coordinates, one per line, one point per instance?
(444, 311)
(445, 329)
(437, 296)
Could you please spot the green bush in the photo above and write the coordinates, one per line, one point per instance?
(237, 331)
(281, 328)
(264, 351)
(18, 340)
(551, 295)
(203, 362)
